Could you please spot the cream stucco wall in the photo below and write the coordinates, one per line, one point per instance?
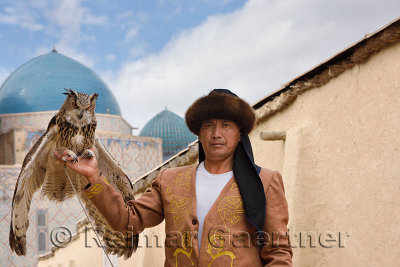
(83, 250)
(341, 164)
(151, 250)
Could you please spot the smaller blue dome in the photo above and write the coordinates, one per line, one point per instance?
(173, 131)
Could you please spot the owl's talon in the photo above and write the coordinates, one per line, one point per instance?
(70, 157)
(87, 154)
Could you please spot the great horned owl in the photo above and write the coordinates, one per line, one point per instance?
(72, 130)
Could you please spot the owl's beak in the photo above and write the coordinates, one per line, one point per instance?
(80, 115)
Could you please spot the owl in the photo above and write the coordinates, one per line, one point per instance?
(72, 131)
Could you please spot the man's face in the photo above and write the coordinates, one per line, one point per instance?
(219, 138)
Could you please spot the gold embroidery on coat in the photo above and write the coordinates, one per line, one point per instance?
(230, 210)
(97, 188)
(217, 250)
(234, 187)
(183, 178)
(186, 248)
(180, 207)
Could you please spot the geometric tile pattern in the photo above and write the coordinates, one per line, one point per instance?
(37, 119)
(64, 214)
(136, 154)
(113, 123)
(105, 122)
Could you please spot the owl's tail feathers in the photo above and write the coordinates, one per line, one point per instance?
(118, 244)
(17, 243)
(132, 243)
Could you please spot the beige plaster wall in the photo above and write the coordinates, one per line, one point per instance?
(341, 164)
(82, 250)
(151, 249)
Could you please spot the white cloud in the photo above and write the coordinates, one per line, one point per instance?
(69, 52)
(110, 57)
(21, 16)
(131, 33)
(63, 19)
(3, 75)
(75, 54)
(139, 50)
(130, 22)
(95, 20)
(66, 19)
(124, 15)
(69, 16)
(252, 51)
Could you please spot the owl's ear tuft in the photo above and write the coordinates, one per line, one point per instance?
(70, 92)
(93, 97)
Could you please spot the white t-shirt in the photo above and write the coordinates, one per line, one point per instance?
(208, 188)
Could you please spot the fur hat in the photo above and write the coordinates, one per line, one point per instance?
(220, 104)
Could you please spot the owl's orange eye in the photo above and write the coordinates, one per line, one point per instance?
(75, 105)
(88, 108)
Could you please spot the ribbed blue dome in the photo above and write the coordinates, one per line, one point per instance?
(172, 129)
(38, 86)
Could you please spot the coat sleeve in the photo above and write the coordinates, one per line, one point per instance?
(133, 216)
(276, 251)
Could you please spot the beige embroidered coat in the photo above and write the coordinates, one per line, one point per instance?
(228, 238)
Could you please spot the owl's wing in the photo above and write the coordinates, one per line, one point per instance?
(113, 171)
(114, 242)
(117, 177)
(29, 181)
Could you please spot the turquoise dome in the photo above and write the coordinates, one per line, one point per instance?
(38, 86)
(173, 131)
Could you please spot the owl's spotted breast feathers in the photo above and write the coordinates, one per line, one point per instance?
(76, 138)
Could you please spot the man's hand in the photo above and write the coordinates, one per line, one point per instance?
(86, 166)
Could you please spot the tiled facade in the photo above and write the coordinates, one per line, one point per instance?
(136, 154)
(57, 216)
(105, 122)
(18, 132)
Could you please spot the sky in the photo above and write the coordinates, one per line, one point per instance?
(167, 53)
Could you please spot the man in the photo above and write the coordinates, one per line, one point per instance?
(225, 211)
